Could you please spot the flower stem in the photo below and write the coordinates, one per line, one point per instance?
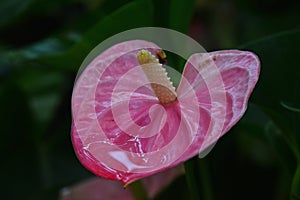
(138, 190)
(295, 188)
(190, 167)
(295, 191)
(205, 179)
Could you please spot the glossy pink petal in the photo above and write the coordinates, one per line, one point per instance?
(120, 129)
(239, 72)
(96, 189)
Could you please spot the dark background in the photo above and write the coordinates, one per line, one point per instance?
(42, 44)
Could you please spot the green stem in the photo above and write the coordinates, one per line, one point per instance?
(138, 190)
(205, 179)
(297, 133)
(295, 191)
(190, 167)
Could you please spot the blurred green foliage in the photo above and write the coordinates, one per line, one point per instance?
(42, 44)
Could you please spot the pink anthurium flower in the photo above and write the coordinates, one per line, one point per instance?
(130, 122)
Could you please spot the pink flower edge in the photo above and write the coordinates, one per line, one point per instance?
(101, 189)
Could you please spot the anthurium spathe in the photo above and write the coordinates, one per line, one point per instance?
(129, 121)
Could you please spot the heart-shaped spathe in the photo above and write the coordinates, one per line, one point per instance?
(121, 130)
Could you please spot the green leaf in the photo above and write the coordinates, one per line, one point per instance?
(181, 13)
(32, 165)
(290, 107)
(16, 144)
(132, 15)
(161, 13)
(24, 57)
(45, 47)
(44, 89)
(259, 133)
(295, 191)
(266, 144)
(180, 16)
(11, 8)
(279, 79)
(284, 150)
